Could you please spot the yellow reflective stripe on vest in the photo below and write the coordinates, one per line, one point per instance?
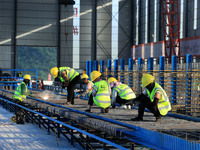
(126, 94)
(69, 72)
(102, 94)
(95, 87)
(18, 95)
(121, 92)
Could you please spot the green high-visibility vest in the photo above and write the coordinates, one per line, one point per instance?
(163, 104)
(18, 93)
(102, 97)
(71, 73)
(125, 92)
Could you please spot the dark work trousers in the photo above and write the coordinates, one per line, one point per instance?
(18, 112)
(90, 102)
(121, 101)
(145, 102)
(70, 89)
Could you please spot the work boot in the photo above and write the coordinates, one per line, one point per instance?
(20, 122)
(88, 110)
(137, 119)
(123, 107)
(129, 107)
(102, 110)
(68, 103)
(106, 109)
(158, 119)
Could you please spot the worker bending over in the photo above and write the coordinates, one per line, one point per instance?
(89, 84)
(69, 77)
(121, 94)
(100, 93)
(154, 98)
(20, 95)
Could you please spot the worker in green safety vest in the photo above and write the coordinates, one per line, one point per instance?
(154, 98)
(20, 95)
(121, 94)
(69, 77)
(100, 93)
(89, 84)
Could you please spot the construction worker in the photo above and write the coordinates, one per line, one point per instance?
(89, 84)
(121, 94)
(69, 77)
(100, 93)
(154, 98)
(20, 95)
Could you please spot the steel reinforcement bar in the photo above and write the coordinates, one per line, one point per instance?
(136, 134)
(57, 124)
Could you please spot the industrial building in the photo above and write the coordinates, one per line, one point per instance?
(93, 29)
(124, 39)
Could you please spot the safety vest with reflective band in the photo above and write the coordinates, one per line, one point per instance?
(102, 97)
(18, 93)
(125, 92)
(71, 73)
(163, 103)
(91, 89)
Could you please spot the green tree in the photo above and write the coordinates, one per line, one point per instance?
(40, 58)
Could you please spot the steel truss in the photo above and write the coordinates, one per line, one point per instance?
(171, 27)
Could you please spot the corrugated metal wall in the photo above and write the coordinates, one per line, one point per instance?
(6, 33)
(37, 24)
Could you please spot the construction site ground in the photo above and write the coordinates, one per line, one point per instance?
(125, 115)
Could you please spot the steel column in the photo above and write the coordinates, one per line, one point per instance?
(188, 84)
(94, 31)
(122, 68)
(174, 80)
(96, 65)
(150, 65)
(116, 69)
(161, 71)
(109, 68)
(130, 69)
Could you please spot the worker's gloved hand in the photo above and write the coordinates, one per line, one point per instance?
(66, 83)
(155, 101)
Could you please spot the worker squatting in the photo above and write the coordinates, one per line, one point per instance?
(105, 94)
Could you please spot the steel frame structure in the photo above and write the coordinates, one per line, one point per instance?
(79, 136)
(170, 17)
(42, 110)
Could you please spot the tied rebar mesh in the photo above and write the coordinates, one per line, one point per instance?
(180, 79)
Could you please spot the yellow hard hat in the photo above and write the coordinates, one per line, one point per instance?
(84, 76)
(111, 79)
(147, 79)
(27, 76)
(54, 72)
(94, 75)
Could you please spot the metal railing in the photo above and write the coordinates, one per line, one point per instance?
(10, 76)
